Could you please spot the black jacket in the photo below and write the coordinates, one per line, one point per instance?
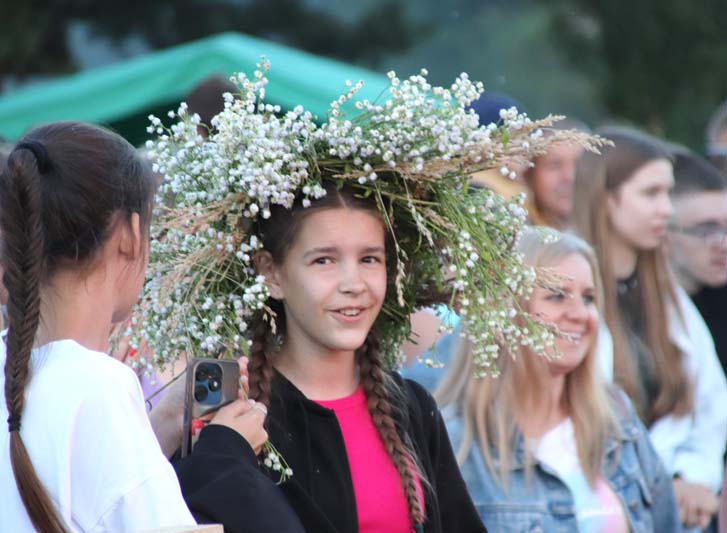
(321, 490)
(222, 483)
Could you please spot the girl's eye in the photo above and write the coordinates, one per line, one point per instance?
(372, 259)
(323, 261)
(589, 299)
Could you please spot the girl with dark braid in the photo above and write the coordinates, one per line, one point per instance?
(368, 450)
(79, 454)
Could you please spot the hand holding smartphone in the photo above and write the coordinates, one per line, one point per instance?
(210, 384)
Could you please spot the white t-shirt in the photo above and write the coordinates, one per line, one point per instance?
(90, 441)
(598, 509)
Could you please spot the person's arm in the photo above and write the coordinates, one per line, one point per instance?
(664, 507)
(699, 458)
(167, 418)
(722, 521)
(222, 483)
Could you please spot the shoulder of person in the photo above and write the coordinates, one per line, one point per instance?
(629, 422)
(414, 393)
(421, 408)
(95, 373)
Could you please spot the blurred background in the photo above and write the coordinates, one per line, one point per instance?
(656, 64)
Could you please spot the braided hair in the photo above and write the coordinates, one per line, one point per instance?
(61, 191)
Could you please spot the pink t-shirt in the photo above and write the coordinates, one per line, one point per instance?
(380, 498)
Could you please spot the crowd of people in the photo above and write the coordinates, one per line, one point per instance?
(619, 426)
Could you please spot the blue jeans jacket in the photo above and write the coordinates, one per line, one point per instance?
(543, 503)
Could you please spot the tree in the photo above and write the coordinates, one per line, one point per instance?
(657, 63)
(35, 39)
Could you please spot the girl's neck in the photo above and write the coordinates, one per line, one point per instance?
(328, 375)
(623, 258)
(76, 308)
(545, 410)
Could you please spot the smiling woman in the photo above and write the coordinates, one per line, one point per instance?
(548, 429)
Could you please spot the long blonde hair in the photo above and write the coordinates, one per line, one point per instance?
(596, 176)
(489, 407)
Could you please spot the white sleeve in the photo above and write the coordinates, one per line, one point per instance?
(604, 352)
(698, 458)
(129, 485)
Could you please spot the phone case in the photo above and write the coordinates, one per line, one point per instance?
(211, 384)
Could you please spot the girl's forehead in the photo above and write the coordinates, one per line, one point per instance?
(341, 225)
(655, 172)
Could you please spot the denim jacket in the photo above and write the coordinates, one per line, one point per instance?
(543, 502)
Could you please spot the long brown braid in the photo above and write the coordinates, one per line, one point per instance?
(20, 219)
(62, 189)
(260, 370)
(376, 386)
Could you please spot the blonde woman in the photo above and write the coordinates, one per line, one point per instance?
(664, 356)
(547, 446)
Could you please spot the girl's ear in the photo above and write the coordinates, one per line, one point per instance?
(130, 239)
(265, 266)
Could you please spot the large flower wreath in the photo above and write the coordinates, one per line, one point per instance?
(412, 152)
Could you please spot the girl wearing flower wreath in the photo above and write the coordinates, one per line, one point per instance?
(79, 453)
(664, 356)
(547, 445)
(368, 451)
(309, 246)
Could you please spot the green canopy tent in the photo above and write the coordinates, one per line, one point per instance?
(123, 94)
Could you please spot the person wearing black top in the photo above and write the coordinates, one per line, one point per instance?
(698, 243)
(221, 473)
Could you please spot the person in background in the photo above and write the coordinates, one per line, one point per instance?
(716, 138)
(664, 357)
(547, 445)
(206, 99)
(550, 180)
(697, 240)
(488, 108)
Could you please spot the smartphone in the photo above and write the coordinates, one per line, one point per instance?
(211, 384)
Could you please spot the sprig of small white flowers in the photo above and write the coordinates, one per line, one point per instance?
(412, 151)
(275, 462)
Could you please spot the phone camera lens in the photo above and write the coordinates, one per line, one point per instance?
(213, 384)
(200, 393)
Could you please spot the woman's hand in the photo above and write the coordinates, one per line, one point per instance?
(247, 417)
(697, 503)
(167, 418)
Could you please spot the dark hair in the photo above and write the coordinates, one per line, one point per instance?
(64, 188)
(206, 98)
(278, 233)
(694, 174)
